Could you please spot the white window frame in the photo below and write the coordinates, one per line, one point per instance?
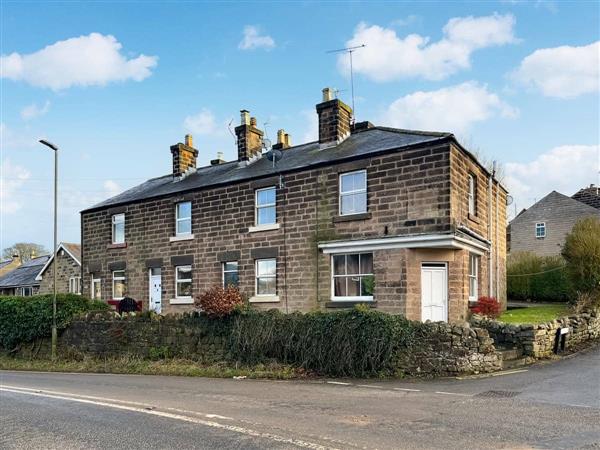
(365, 298)
(120, 278)
(94, 281)
(178, 219)
(540, 226)
(75, 285)
(185, 280)
(268, 205)
(471, 194)
(474, 261)
(21, 291)
(223, 271)
(257, 276)
(352, 192)
(118, 219)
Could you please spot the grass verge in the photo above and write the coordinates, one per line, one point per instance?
(132, 365)
(534, 314)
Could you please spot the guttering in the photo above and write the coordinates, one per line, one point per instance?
(441, 241)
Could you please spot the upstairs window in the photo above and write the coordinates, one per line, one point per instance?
(473, 277)
(353, 193)
(183, 218)
(118, 279)
(265, 206)
(230, 274)
(540, 230)
(118, 228)
(353, 276)
(472, 194)
(75, 285)
(183, 281)
(266, 276)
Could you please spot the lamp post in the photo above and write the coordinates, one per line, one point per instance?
(54, 332)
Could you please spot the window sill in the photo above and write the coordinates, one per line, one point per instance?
(473, 218)
(350, 303)
(264, 299)
(351, 217)
(181, 301)
(257, 228)
(183, 237)
(122, 245)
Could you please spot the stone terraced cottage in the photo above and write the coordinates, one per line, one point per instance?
(408, 222)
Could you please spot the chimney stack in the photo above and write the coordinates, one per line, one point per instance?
(335, 119)
(184, 156)
(249, 138)
(283, 140)
(219, 160)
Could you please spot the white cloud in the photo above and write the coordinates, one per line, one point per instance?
(203, 123)
(12, 177)
(92, 60)
(563, 72)
(112, 188)
(253, 39)
(388, 57)
(311, 130)
(565, 169)
(453, 108)
(406, 21)
(32, 111)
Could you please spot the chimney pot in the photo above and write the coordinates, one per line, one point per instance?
(245, 117)
(253, 122)
(189, 141)
(327, 94)
(281, 136)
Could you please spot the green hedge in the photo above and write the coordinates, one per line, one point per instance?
(359, 342)
(23, 319)
(552, 284)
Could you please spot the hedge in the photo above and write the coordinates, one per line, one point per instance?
(359, 342)
(538, 278)
(24, 319)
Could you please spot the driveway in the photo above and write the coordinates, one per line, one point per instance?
(553, 405)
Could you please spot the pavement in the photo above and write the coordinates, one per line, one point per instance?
(547, 406)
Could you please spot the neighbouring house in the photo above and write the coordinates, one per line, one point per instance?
(68, 270)
(22, 280)
(589, 195)
(542, 228)
(408, 222)
(9, 264)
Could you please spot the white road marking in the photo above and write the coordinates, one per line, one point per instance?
(340, 383)
(233, 428)
(407, 390)
(453, 393)
(507, 372)
(371, 386)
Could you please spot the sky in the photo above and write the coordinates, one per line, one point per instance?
(114, 84)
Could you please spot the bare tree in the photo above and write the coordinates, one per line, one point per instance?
(25, 250)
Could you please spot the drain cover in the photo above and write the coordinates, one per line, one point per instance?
(498, 394)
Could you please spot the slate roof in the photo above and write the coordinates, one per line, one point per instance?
(5, 263)
(25, 274)
(590, 196)
(359, 144)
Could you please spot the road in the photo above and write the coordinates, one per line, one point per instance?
(552, 405)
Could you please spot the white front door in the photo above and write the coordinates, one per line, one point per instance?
(155, 290)
(434, 292)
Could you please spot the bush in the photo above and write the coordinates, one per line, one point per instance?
(24, 319)
(582, 253)
(538, 278)
(487, 306)
(359, 342)
(219, 301)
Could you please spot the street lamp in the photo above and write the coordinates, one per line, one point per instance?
(54, 332)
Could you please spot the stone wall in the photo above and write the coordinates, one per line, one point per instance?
(539, 340)
(441, 349)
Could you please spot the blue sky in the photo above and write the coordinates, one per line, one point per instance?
(121, 81)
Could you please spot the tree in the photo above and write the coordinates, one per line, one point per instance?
(582, 253)
(24, 250)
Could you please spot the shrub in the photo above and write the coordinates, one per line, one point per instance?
(219, 301)
(359, 342)
(538, 278)
(582, 253)
(24, 319)
(487, 306)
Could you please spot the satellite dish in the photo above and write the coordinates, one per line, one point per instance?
(274, 155)
(509, 200)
